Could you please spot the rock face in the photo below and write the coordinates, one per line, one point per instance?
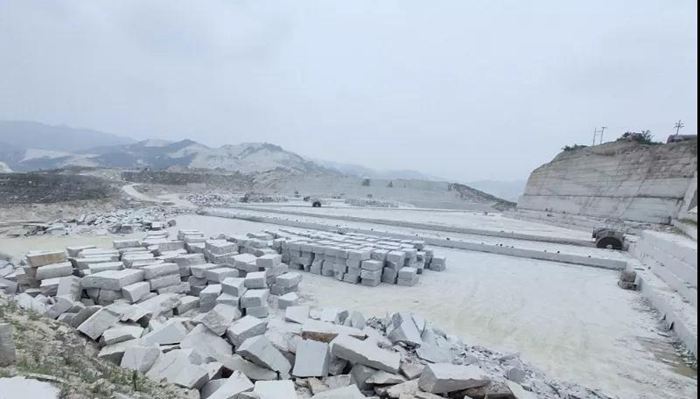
(625, 180)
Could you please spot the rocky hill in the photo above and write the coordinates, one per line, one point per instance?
(623, 180)
(255, 166)
(184, 154)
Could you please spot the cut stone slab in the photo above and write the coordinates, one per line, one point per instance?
(253, 298)
(115, 352)
(268, 261)
(98, 323)
(435, 348)
(187, 303)
(137, 291)
(208, 345)
(348, 392)
(326, 332)
(113, 280)
(54, 270)
(250, 369)
(297, 314)
(275, 389)
(260, 312)
(287, 300)
(447, 377)
(160, 304)
(220, 247)
(260, 351)
(288, 280)
(219, 318)
(61, 306)
(383, 378)
(411, 369)
(334, 315)
(74, 250)
(83, 315)
(405, 331)
(42, 258)
(200, 270)
(228, 299)
(245, 262)
(234, 286)
(359, 374)
(179, 367)
(219, 274)
(159, 270)
(366, 353)
(312, 359)
(207, 297)
(244, 328)
(121, 333)
(140, 358)
(164, 281)
(172, 332)
(255, 280)
(234, 385)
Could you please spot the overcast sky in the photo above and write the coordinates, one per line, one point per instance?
(460, 89)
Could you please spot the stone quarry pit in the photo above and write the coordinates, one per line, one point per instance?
(185, 304)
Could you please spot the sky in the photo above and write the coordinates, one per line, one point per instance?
(465, 90)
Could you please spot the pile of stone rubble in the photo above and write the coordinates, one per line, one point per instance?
(357, 258)
(122, 221)
(222, 316)
(225, 200)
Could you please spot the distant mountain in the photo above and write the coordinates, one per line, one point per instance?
(28, 146)
(510, 190)
(362, 171)
(22, 134)
(244, 158)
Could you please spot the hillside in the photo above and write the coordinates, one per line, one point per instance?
(622, 180)
(187, 154)
(22, 135)
(259, 166)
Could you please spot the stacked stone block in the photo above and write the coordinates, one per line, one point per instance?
(356, 258)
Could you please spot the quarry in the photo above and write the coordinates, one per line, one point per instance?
(145, 284)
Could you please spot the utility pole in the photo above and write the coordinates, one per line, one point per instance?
(602, 130)
(595, 133)
(679, 125)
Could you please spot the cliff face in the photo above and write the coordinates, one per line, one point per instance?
(626, 180)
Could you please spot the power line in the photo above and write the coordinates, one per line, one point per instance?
(679, 125)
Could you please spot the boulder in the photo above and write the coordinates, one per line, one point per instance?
(233, 385)
(219, 318)
(98, 323)
(365, 353)
(275, 389)
(312, 359)
(447, 377)
(140, 358)
(172, 332)
(260, 351)
(245, 328)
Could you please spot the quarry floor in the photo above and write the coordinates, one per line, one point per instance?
(438, 217)
(571, 321)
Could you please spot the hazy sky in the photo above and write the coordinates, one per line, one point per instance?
(462, 89)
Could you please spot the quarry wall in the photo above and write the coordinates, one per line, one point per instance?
(622, 180)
